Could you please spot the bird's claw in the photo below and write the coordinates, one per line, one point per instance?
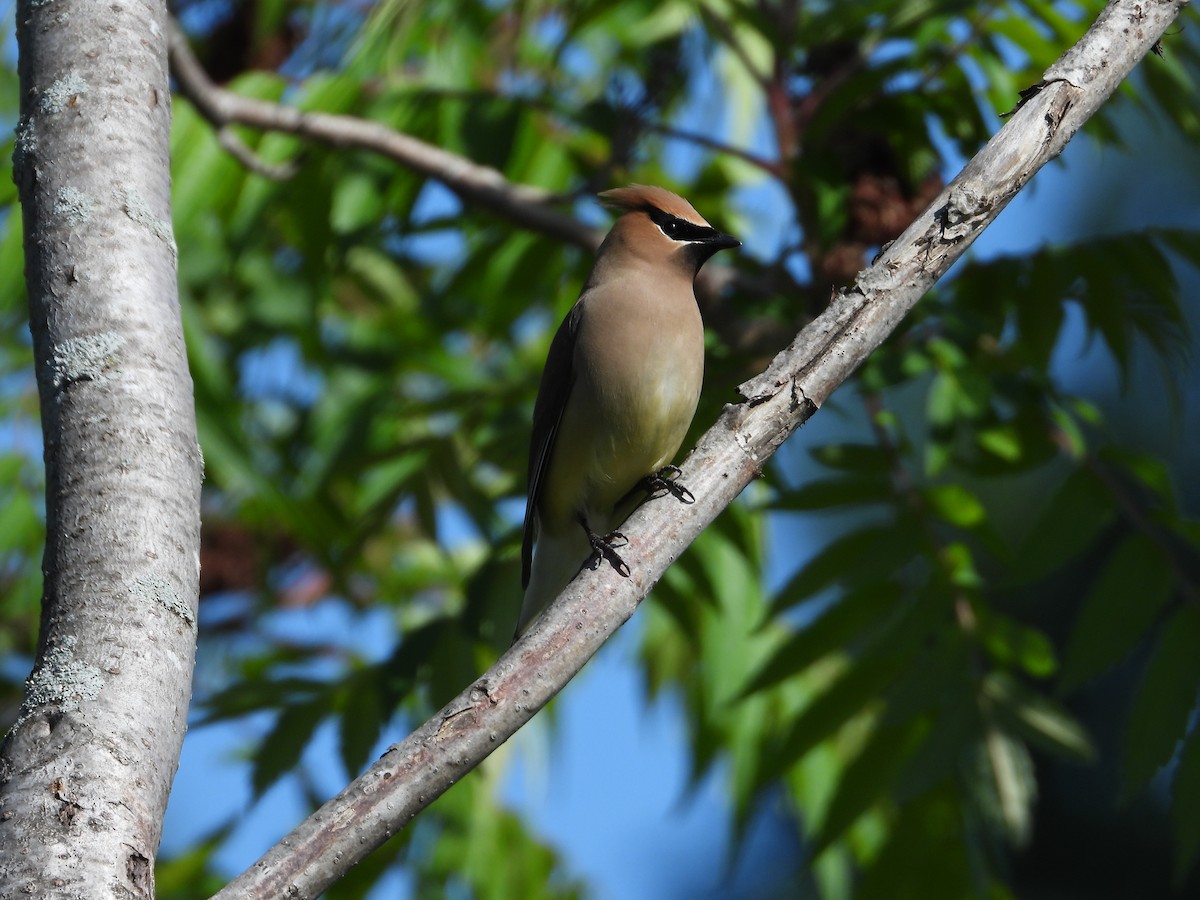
(664, 482)
(604, 548)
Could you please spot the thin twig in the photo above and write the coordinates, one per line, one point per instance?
(770, 166)
(239, 150)
(976, 25)
(482, 186)
(1141, 519)
(721, 27)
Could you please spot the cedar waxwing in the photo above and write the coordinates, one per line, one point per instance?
(619, 390)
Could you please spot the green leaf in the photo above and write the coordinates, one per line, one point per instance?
(930, 835)
(192, 873)
(941, 402)
(383, 483)
(959, 393)
(1132, 589)
(937, 760)
(12, 261)
(939, 453)
(946, 354)
(956, 505)
(19, 521)
(867, 779)
(1039, 322)
(850, 617)
(255, 692)
(1003, 441)
(938, 676)
(361, 719)
(870, 554)
(1068, 523)
(867, 459)
(1037, 718)
(1164, 701)
(858, 688)
(826, 493)
(357, 202)
(205, 178)
(960, 565)
(1010, 787)
(283, 746)
(1011, 643)
(1151, 473)
(1070, 435)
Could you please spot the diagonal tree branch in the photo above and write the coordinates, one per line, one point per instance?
(412, 774)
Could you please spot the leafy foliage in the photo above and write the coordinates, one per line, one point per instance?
(365, 349)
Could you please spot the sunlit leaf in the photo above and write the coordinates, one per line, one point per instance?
(956, 505)
(1038, 719)
(1011, 643)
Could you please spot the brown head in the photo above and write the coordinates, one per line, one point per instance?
(660, 226)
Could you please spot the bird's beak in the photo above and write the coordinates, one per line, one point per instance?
(721, 241)
(704, 248)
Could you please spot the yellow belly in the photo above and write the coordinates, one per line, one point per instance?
(610, 438)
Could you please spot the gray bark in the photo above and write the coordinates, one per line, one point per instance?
(86, 770)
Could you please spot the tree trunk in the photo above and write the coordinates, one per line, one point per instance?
(86, 770)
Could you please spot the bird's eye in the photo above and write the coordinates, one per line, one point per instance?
(677, 229)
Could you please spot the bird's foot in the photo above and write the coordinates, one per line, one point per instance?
(665, 481)
(605, 548)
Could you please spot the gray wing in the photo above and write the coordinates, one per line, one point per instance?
(557, 379)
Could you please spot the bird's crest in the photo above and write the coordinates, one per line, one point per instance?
(646, 197)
